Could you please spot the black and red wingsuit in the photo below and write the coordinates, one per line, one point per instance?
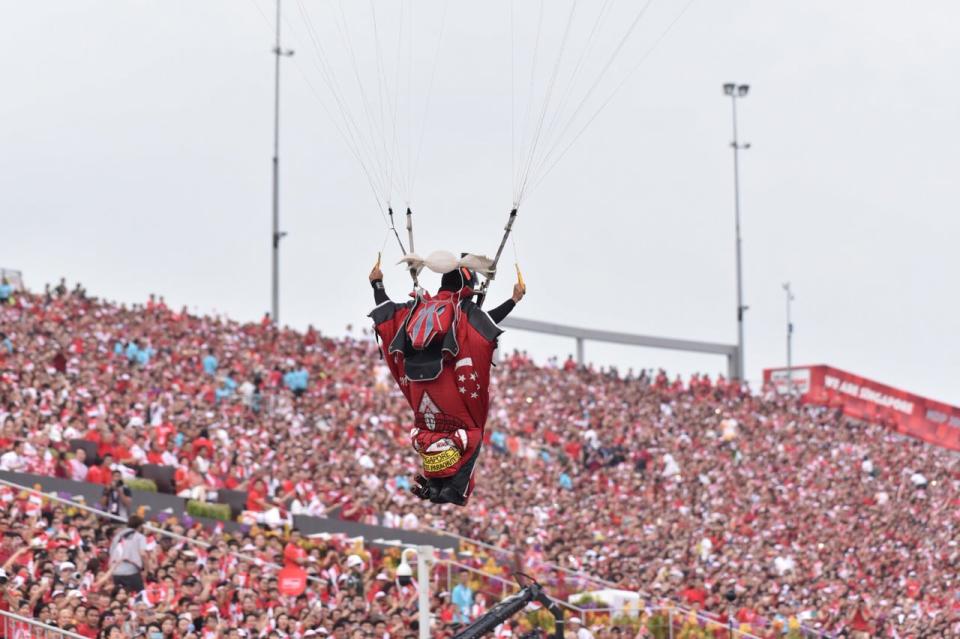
(439, 350)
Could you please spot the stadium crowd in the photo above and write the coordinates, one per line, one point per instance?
(59, 567)
(684, 491)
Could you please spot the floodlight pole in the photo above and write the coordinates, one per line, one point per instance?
(277, 235)
(735, 91)
(789, 293)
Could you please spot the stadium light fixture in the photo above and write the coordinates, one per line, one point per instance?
(276, 234)
(790, 298)
(734, 91)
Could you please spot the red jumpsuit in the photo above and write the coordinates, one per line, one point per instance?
(446, 381)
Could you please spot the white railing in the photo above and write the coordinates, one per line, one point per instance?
(573, 574)
(16, 627)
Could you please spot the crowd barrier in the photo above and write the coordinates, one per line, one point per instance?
(16, 627)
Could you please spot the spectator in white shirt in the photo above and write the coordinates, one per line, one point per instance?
(169, 456)
(78, 465)
(14, 460)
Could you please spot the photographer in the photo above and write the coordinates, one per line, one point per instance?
(116, 499)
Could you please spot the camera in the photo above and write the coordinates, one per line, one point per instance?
(404, 573)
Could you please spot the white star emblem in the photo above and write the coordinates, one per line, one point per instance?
(462, 378)
(473, 376)
(463, 390)
(474, 395)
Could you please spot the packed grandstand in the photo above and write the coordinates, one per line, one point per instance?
(749, 508)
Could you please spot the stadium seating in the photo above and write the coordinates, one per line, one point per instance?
(681, 490)
(162, 476)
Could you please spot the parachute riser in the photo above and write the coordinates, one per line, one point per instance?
(393, 227)
(496, 260)
(413, 272)
(410, 229)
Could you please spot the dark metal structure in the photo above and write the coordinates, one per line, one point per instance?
(511, 606)
(730, 351)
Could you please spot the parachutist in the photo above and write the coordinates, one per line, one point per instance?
(439, 350)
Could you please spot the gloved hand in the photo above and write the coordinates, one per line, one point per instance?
(437, 491)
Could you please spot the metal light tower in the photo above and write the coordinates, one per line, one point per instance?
(277, 234)
(789, 293)
(738, 91)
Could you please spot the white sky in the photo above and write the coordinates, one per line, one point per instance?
(135, 143)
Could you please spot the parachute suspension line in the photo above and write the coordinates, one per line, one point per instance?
(571, 82)
(513, 102)
(533, 71)
(426, 106)
(546, 102)
(376, 128)
(263, 15)
(348, 129)
(613, 93)
(380, 158)
(330, 78)
(381, 89)
(395, 107)
(386, 238)
(496, 260)
(593, 87)
(354, 137)
(410, 62)
(349, 144)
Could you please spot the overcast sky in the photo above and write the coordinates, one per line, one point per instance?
(135, 144)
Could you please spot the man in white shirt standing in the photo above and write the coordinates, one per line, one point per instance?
(129, 558)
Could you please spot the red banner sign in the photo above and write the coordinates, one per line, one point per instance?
(861, 398)
(292, 581)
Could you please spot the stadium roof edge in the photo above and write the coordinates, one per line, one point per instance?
(616, 337)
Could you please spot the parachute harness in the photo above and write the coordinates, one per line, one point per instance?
(442, 262)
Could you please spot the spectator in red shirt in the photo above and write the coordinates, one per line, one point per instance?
(256, 496)
(101, 474)
(694, 595)
(293, 553)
